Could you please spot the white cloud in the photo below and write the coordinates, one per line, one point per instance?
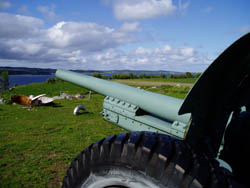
(130, 27)
(48, 11)
(142, 9)
(85, 45)
(87, 36)
(18, 26)
(5, 4)
(65, 41)
(145, 9)
(176, 59)
(142, 61)
(167, 58)
(142, 51)
(187, 52)
(29, 48)
(167, 48)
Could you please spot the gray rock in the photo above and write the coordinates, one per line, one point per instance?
(57, 97)
(2, 101)
(79, 96)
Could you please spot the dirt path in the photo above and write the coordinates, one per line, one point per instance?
(152, 83)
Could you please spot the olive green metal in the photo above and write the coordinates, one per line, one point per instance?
(130, 117)
(160, 105)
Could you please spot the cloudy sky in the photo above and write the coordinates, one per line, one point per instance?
(177, 35)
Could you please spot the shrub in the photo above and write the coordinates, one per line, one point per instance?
(171, 76)
(162, 75)
(4, 80)
(97, 75)
(51, 81)
(189, 75)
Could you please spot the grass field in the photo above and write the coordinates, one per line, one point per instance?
(37, 146)
(177, 80)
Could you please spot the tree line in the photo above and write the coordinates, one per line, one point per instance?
(145, 76)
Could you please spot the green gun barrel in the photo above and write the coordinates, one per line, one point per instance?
(159, 105)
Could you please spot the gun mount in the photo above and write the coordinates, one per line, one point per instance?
(132, 108)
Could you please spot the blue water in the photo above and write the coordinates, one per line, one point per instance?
(23, 79)
(28, 79)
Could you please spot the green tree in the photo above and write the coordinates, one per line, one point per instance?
(162, 75)
(181, 76)
(189, 75)
(144, 76)
(4, 80)
(105, 77)
(97, 75)
(114, 76)
(131, 75)
(171, 76)
(125, 76)
(51, 81)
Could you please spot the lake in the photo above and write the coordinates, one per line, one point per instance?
(28, 79)
(23, 79)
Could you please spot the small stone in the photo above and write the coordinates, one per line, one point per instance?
(2, 101)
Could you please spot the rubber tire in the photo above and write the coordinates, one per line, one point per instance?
(158, 158)
(236, 151)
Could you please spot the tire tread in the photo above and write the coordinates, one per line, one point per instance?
(171, 162)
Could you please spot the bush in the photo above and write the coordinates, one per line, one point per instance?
(121, 76)
(4, 80)
(144, 76)
(181, 76)
(162, 75)
(97, 75)
(189, 75)
(171, 76)
(132, 76)
(105, 77)
(51, 81)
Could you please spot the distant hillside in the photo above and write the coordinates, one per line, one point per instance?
(40, 71)
(24, 70)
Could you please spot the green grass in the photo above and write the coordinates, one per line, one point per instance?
(177, 80)
(173, 91)
(37, 146)
(49, 89)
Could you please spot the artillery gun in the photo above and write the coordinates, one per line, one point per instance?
(172, 142)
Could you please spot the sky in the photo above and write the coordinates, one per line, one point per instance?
(171, 35)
